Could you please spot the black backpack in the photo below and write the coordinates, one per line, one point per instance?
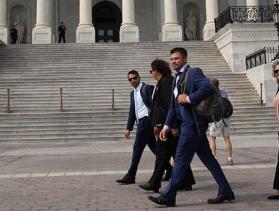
(214, 107)
(228, 108)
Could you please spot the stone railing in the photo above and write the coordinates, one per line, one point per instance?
(262, 56)
(233, 14)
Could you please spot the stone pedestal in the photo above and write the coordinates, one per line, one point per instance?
(42, 35)
(262, 75)
(211, 7)
(4, 34)
(208, 30)
(85, 34)
(3, 22)
(129, 33)
(171, 32)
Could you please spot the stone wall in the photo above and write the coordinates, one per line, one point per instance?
(236, 41)
(263, 74)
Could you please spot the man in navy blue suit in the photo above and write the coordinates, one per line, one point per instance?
(140, 104)
(193, 127)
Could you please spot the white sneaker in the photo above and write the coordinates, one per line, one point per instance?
(230, 161)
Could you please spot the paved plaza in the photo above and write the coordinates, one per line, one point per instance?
(74, 176)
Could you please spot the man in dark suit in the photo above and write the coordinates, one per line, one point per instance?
(140, 103)
(61, 32)
(192, 138)
(161, 98)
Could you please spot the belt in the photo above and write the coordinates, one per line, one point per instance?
(143, 118)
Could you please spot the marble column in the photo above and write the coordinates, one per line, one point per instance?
(129, 31)
(85, 32)
(211, 13)
(171, 30)
(250, 3)
(42, 32)
(3, 22)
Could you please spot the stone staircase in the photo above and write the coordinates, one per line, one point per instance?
(88, 73)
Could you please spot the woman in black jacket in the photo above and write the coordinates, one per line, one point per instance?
(161, 99)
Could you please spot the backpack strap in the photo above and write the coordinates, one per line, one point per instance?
(186, 79)
(192, 107)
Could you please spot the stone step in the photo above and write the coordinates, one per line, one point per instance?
(88, 72)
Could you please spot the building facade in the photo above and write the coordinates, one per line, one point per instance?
(86, 21)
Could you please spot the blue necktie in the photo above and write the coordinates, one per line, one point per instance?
(178, 77)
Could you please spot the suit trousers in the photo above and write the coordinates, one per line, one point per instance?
(164, 151)
(190, 143)
(144, 136)
(276, 177)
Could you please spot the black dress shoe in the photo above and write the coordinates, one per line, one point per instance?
(148, 186)
(222, 198)
(126, 180)
(161, 200)
(273, 197)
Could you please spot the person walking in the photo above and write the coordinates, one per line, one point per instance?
(161, 98)
(61, 32)
(221, 127)
(275, 68)
(193, 127)
(139, 112)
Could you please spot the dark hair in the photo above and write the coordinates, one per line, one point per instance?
(182, 51)
(215, 82)
(134, 72)
(161, 66)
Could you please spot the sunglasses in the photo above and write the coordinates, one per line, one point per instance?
(133, 78)
(275, 72)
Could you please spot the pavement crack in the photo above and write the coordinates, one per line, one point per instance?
(12, 161)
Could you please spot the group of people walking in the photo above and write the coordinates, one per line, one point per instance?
(168, 123)
(168, 126)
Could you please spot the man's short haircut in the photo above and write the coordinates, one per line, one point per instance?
(161, 66)
(133, 72)
(215, 82)
(182, 51)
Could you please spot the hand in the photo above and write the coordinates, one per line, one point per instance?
(156, 131)
(175, 132)
(127, 134)
(164, 134)
(182, 98)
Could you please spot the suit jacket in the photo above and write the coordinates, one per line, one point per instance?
(132, 113)
(198, 87)
(161, 100)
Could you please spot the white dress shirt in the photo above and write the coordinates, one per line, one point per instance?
(140, 108)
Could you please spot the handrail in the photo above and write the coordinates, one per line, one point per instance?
(262, 56)
(112, 100)
(261, 94)
(8, 101)
(262, 14)
(61, 99)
